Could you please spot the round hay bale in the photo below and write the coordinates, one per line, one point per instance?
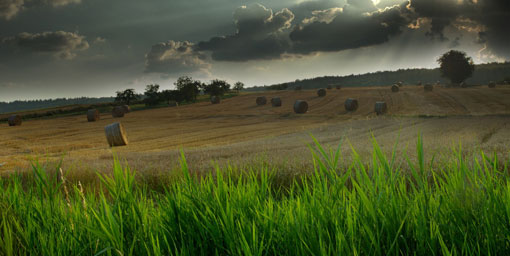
(321, 92)
(92, 115)
(351, 104)
(126, 108)
(276, 102)
(115, 135)
(330, 87)
(215, 100)
(492, 84)
(261, 100)
(400, 84)
(300, 106)
(338, 87)
(381, 107)
(395, 88)
(118, 111)
(297, 88)
(14, 120)
(428, 87)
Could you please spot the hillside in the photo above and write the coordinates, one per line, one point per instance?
(484, 73)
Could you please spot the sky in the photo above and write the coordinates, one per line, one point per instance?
(73, 48)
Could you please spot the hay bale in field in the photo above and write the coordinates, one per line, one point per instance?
(215, 100)
(300, 106)
(321, 92)
(492, 84)
(115, 135)
(428, 87)
(400, 84)
(338, 87)
(92, 115)
(126, 108)
(261, 100)
(330, 87)
(276, 102)
(118, 111)
(14, 120)
(381, 107)
(395, 88)
(351, 104)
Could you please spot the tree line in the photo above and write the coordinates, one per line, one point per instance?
(186, 89)
(497, 72)
(22, 105)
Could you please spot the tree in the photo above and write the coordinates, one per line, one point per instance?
(152, 94)
(456, 66)
(127, 96)
(171, 95)
(217, 87)
(238, 86)
(188, 87)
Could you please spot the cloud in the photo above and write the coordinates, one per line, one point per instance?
(306, 9)
(10, 8)
(57, 3)
(489, 18)
(175, 58)
(260, 35)
(61, 44)
(324, 16)
(325, 26)
(348, 28)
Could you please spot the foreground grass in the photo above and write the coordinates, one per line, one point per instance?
(372, 208)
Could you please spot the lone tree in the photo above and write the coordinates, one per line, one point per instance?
(188, 88)
(456, 66)
(217, 87)
(238, 86)
(127, 96)
(151, 94)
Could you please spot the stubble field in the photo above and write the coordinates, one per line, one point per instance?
(239, 132)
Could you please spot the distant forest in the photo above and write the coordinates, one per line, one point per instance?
(22, 105)
(484, 73)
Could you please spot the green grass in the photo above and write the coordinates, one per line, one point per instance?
(370, 208)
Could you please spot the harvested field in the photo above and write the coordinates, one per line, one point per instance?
(239, 131)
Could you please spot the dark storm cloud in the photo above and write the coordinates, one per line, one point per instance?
(59, 43)
(175, 58)
(260, 34)
(263, 35)
(348, 28)
(10, 8)
(487, 17)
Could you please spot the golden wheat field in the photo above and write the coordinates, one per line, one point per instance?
(238, 131)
